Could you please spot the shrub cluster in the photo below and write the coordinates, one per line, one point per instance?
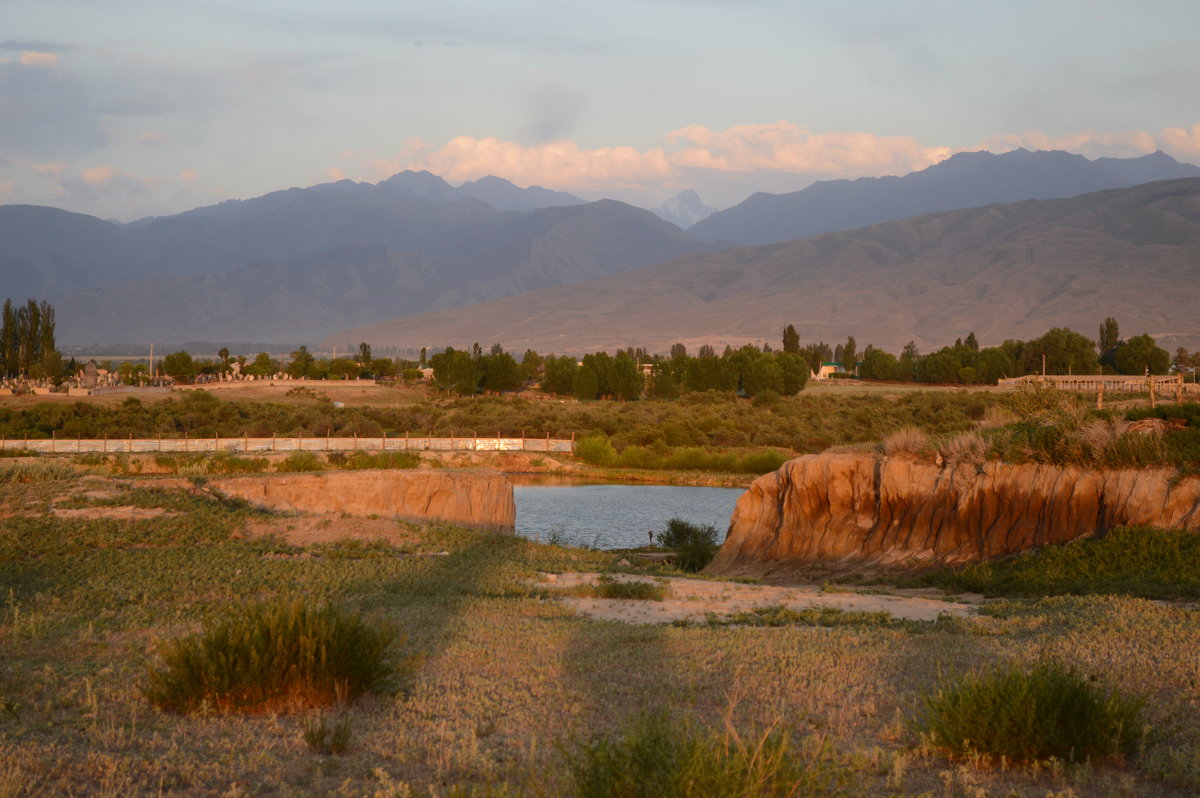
(598, 450)
(1031, 715)
(607, 587)
(655, 757)
(694, 545)
(286, 655)
(1136, 561)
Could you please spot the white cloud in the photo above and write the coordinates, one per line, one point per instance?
(52, 169)
(188, 175)
(98, 175)
(563, 164)
(1181, 142)
(333, 173)
(39, 60)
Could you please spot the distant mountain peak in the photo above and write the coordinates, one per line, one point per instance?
(684, 209)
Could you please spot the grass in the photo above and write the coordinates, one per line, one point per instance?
(655, 756)
(610, 588)
(510, 680)
(780, 615)
(280, 656)
(1048, 711)
(1134, 561)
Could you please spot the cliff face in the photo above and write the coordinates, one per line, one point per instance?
(854, 511)
(482, 498)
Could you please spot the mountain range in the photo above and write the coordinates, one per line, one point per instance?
(964, 180)
(1002, 271)
(298, 265)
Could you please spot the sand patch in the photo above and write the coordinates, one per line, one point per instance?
(305, 530)
(693, 599)
(119, 513)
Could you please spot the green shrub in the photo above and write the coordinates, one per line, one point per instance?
(1031, 715)
(607, 587)
(1136, 561)
(300, 461)
(762, 462)
(596, 450)
(360, 461)
(655, 757)
(225, 463)
(695, 546)
(19, 453)
(285, 655)
(36, 472)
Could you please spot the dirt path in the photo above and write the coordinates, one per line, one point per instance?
(694, 598)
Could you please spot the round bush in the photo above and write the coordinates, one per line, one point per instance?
(286, 655)
(1050, 710)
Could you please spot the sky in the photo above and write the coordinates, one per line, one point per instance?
(130, 108)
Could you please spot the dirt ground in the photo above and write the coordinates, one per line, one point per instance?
(695, 599)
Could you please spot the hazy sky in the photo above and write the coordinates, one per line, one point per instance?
(127, 108)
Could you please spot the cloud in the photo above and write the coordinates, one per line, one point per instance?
(52, 169)
(151, 137)
(188, 175)
(551, 163)
(333, 173)
(103, 182)
(553, 112)
(33, 45)
(134, 106)
(39, 60)
(45, 112)
(1181, 142)
(744, 150)
(783, 146)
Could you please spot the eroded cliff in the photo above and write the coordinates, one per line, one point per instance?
(855, 511)
(476, 498)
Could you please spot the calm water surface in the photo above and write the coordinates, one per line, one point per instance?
(614, 516)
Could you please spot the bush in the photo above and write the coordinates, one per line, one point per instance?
(36, 472)
(300, 461)
(286, 655)
(1136, 561)
(360, 461)
(906, 440)
(596, 450)
(658, 758)
(607, 587)
(695, 546)
(1032, 715)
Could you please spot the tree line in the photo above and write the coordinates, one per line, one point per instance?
(27, 341)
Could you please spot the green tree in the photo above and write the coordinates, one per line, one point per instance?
(1139, 355)
(1065, 351)
(302, 363)
(791, 340)
(364, 353)
(263, 366)
(558, 376)
(501, 372)
(878, 365)
(585, 384)
(850, 355)
(180, 366)
(456, 371)
(27, 340)
(625, 377)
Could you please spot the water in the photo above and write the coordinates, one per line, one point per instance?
(614, 516)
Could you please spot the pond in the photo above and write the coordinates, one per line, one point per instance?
(613, 515)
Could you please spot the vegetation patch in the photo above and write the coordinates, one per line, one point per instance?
(36, 472)
(610, 588)
(297, 462)
(657, 757)
(694, 545)
(281, 656)
(780, 615)
(1135, 561)
(1048, 711)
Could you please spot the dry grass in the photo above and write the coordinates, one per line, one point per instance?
(509, 677)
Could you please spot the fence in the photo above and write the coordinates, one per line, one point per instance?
(290, 444)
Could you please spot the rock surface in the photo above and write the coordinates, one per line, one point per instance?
(855, 511)
(478, 498)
